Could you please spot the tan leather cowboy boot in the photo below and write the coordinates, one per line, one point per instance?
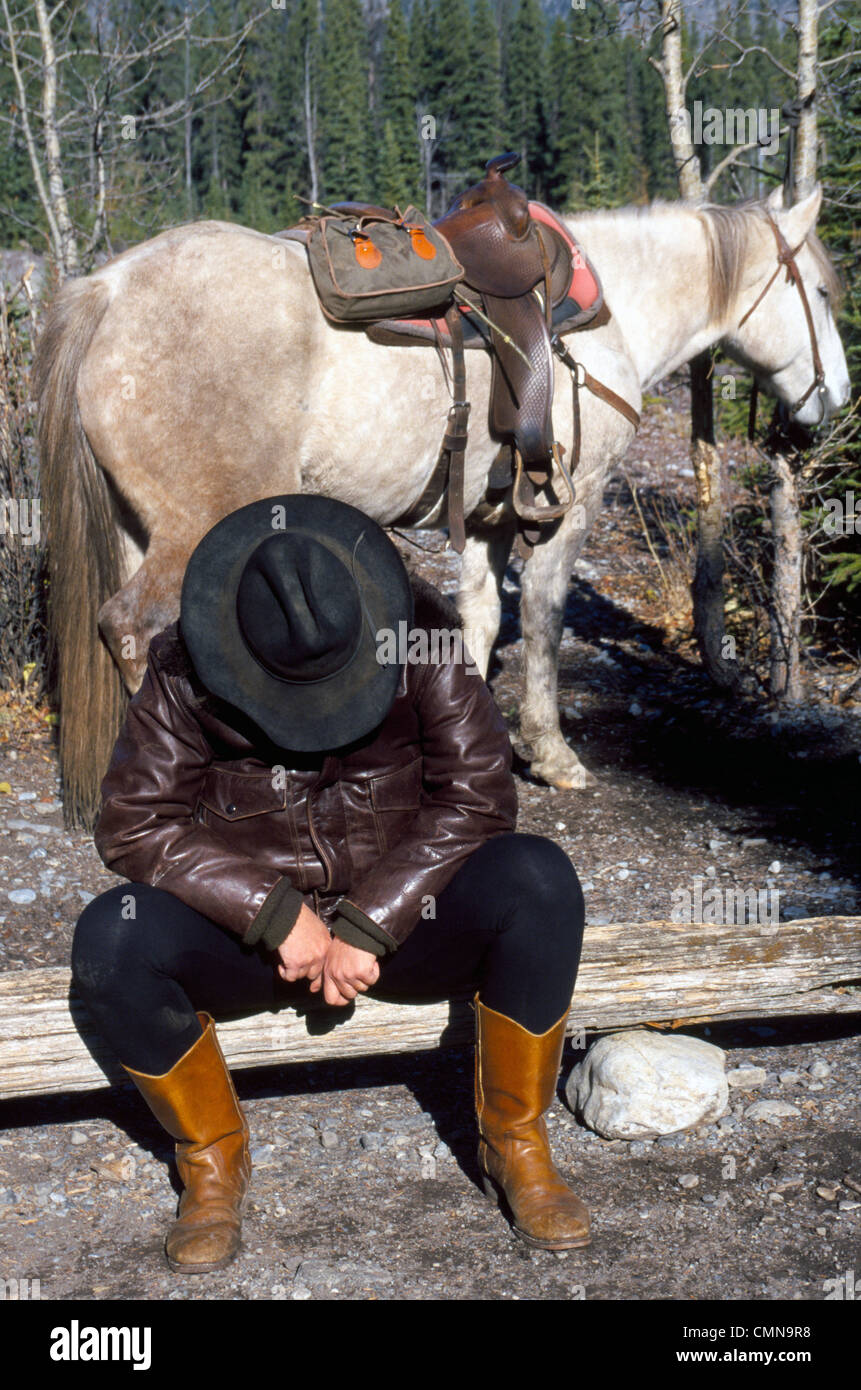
(515, 1082)
(197, 1104)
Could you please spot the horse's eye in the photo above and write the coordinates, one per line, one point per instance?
(823, 290)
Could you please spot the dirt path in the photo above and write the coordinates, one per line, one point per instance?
(365, 1177)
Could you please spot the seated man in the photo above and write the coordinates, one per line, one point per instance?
(298, 813)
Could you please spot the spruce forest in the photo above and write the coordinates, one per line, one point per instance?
(238, 111)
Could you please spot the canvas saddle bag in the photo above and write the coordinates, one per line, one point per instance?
(370, 263)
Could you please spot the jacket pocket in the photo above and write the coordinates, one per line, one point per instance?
(236, 796)
(400, 790)
(396, 798)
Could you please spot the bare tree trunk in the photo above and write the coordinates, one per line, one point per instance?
(189, 190)
(804, 173)
(718, 655)
(785, 663)
(52, 194)
(670, 68)
(70, 259)
(707, 588)
(311, 125)
(785, 682)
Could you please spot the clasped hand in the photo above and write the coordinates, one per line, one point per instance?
(309, 953)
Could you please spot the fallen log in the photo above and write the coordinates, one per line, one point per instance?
(663, 973)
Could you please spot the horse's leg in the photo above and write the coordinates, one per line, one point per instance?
(479, 596)
(142, 607)
(544, 589)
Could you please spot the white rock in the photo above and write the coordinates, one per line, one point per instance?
(819, 1069)
(638, 1084)
(774, 867)
(21, 895)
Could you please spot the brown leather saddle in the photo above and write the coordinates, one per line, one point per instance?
(518, 268)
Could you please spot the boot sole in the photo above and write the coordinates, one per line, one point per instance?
(495, 1194)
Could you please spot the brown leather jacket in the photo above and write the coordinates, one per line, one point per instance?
(195, 802)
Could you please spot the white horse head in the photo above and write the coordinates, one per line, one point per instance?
(771, 335)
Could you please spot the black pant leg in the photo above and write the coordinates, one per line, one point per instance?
(144, 976)
(509, 925)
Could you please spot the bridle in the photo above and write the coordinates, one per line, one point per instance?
(786, 257)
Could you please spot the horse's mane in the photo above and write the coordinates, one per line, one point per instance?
(728, 231)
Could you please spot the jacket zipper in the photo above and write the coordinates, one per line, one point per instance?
(319, 848)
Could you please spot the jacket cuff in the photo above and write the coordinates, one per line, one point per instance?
(277, 916)
(358, 929)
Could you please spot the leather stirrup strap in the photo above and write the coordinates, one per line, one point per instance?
(455, 439)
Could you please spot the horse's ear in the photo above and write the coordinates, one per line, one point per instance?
(800, 219)
(774, 201)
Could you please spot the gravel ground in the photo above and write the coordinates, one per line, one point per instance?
(365, 1183)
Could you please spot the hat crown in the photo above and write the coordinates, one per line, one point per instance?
(298, 607)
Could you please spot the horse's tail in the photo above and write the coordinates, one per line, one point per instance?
(84, 549)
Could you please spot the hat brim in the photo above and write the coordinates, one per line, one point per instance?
(320, 714)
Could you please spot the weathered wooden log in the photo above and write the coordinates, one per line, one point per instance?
(631, 973)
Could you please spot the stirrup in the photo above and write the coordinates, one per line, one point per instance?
(529, 511)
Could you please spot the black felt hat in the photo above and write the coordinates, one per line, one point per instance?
(281, 605)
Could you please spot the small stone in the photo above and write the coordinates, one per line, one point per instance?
(78, 1137)
(688, 1180)
(21, 896)
(828, 1194)
(819, 1069)
(789, 1078)
(789, 1184)
(774, 867)
(771, 1111)
(442, 1150)
(26, 796)
(300, 1292)
(371, 1139)
(746, 1078)
(84, 896)
(848, 1204)
(624, 873)
(635, 709)
(560, 825)
(775, 1198)
(115, 1169)
(47, 808)
(329, 1139)
(751, 843)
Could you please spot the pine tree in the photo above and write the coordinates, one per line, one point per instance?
(526, 126)
(344, 119)
(399, 174)
(481, 112)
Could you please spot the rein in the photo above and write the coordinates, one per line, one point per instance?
(786, 257)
